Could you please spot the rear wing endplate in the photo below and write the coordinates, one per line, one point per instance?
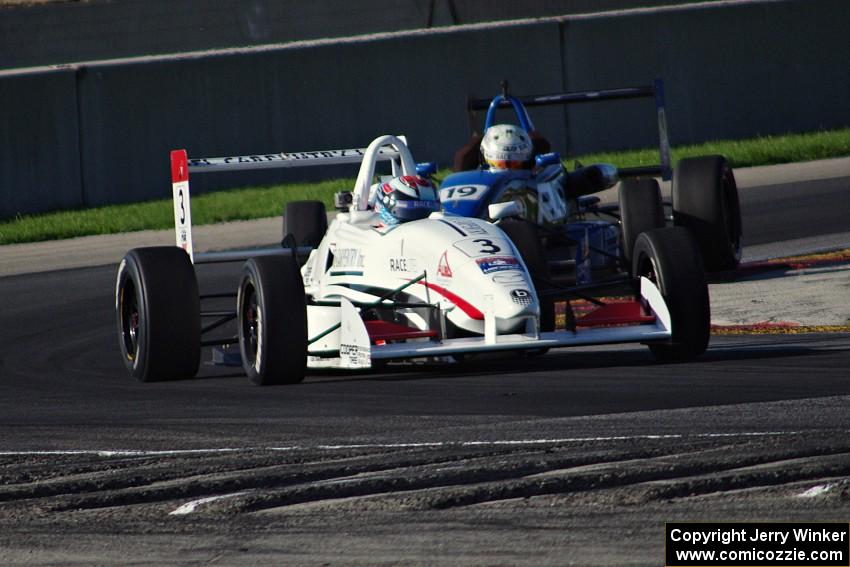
(654, 91)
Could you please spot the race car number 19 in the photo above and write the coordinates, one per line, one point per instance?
(461, 192)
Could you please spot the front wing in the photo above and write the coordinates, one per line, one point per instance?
(357, 351)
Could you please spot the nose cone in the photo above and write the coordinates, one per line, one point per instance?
(512, 304)
(513, 307)
(475, 271)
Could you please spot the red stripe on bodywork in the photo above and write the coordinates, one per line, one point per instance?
(471, 311)
(179, 166)
(628, 313)
(388, 331)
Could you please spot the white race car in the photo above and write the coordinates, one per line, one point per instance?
(443, 286)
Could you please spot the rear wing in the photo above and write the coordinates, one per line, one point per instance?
(385, 148)
(654, 91)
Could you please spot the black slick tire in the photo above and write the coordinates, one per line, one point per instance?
(641, 209)
(670, 258)
(157, 309)
(526, 238)
(705, 201)
(306, 221)
(272, 321)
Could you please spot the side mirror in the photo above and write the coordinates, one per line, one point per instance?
(544, 160)
(591, 179)
(426, 169)
(499, 211)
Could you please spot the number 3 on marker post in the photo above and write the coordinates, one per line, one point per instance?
(182, 207)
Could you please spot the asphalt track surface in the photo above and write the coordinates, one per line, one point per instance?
(790, 211)
(575, 457)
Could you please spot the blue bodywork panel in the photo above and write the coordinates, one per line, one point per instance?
(468, 193)
(465, 193)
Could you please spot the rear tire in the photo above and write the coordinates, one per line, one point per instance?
(158, 313)
(705, 200)
(306, 221)
(272, 320)
(526, 237)
(640, 210)
(670, 258)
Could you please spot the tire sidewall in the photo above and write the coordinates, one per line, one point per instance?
(705, 200)
(282, 335)
(641, 209)
(250, 279)
(129, 273)
(169, 329)
(732, 212)
(674, 255)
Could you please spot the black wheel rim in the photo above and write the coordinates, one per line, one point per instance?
(251, 325)
(130, 319)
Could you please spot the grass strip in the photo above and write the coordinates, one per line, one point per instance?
(260, 202)
(766, 150)
(208, 208)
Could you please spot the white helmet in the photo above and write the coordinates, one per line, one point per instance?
(506, 146)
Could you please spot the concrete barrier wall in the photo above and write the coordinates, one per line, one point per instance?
(101, 134)
(744, 70)
(39, 142)
(65, 32)
(292, 99)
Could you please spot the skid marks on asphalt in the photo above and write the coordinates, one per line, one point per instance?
(299, 480)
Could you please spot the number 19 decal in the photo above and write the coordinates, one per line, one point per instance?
(460, 192)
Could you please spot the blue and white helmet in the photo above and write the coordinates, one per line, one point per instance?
(406, 198)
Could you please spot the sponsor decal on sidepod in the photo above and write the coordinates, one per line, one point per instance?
(497, 264)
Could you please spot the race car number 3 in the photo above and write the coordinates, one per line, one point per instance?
(477, 247)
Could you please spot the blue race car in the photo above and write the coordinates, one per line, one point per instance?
(565, 235)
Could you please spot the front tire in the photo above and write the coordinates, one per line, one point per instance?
(158, 310)
(705, 201)
(272, 320)
(670, 258)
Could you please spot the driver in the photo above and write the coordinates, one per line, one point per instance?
(405, 198)
(470, 156)
(506, 146)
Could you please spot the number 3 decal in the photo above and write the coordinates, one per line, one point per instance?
(478, 247)
(487, 246)
(182, 207)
